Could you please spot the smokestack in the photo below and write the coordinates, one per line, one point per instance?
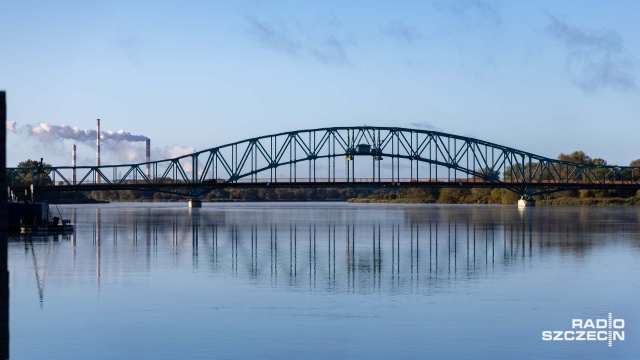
(98, 149)
(148, 156)
(73, 163)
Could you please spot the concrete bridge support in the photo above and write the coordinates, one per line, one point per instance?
(195, 203)
(526, 202)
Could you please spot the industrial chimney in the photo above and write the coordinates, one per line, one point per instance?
(148, 157)
(73, 163)
(98, 149)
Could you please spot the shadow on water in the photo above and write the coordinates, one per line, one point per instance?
(364, 249)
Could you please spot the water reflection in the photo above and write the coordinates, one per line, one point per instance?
(362, 249)
(38, 249)
(323, 281)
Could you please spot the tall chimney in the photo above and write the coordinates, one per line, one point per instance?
(73, 163)
(148, 157)
(98, 149)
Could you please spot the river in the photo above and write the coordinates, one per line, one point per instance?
(328, 281)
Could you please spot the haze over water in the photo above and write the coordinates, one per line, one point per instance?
(324, 280)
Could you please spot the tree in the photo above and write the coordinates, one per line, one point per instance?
(532, 170)
(489, 174)
(453, 195)
(632, 174)
(33, 170)
(599, 161)
(577, 157)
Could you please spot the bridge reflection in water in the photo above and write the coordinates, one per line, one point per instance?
(322, 280)
(334, 248)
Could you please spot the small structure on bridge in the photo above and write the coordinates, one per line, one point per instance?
(363, 149)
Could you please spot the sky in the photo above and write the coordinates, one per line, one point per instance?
(547, 77)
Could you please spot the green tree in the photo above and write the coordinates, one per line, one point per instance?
(489, 174)
(633, 173)
(453, 195)
(532, 170)
(31, 170)
(577, 157)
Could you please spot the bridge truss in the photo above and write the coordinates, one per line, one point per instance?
(339, 156)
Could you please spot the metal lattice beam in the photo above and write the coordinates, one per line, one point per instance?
(411, 156)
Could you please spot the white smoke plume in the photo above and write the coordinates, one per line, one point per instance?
(11, 126)
(120, 146)
(50, 133)
(173, 151)
(125, 152)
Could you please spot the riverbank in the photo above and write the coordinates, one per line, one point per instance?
(396, 195)
(634, 201)
(549, 202)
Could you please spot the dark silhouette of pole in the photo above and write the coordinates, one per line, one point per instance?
(4, 272)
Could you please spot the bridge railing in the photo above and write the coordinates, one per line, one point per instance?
(134, 174)
(58, 179)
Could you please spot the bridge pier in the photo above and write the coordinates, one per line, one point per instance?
(526, 202)
(195, 203)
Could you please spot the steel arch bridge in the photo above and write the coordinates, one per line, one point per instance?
(339, 156)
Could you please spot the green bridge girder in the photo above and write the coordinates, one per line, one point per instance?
(411, 157)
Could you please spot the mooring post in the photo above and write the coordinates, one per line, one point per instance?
(4, 272)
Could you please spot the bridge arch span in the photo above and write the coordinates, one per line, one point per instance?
(368, 155)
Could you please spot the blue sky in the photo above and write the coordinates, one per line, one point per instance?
(541, 76)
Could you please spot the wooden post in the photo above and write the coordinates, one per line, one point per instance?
(4, 272)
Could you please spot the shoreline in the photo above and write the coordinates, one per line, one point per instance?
(553, 202)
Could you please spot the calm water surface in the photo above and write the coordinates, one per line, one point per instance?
(324, 281)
